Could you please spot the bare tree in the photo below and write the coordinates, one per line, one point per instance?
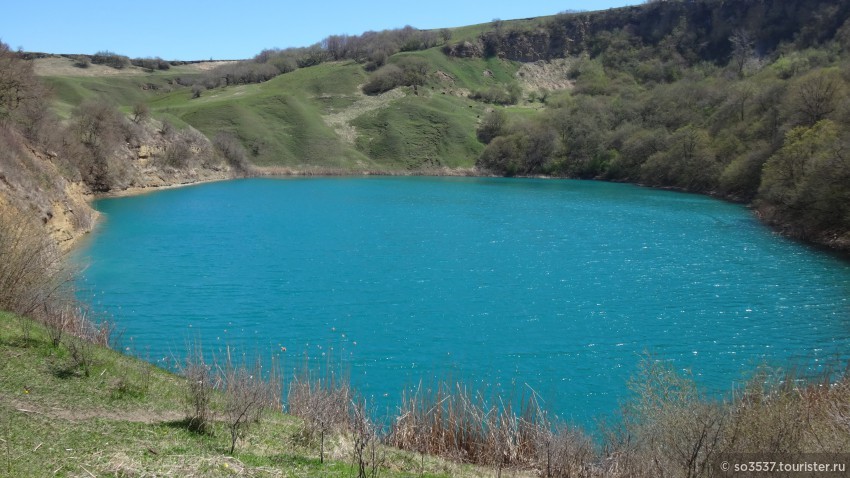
(58, 319)
(234, 153)
(141, 112)
(246, 395)
(322, 403)
(98, 126)
(18, 83)
(816, 97)
(742, 49)
(445, 35)
(199, 390)
(368, 457)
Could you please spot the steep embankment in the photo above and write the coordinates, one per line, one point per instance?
(63, 141)
(42, 184)
(32, 183)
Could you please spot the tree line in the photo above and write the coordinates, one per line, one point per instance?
(371, 49)
(769, 128)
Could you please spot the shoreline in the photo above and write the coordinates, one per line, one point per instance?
(275, 171)
(141, 190)
(829, 245)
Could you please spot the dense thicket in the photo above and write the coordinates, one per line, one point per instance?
(696, 30)
(408, 71)
(744, 109)
(151, 64)
(109, 58)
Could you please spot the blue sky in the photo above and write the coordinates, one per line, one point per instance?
(195, 30)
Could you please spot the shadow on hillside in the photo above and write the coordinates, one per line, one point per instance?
(189, 425)
(66, 371)
(295, 461)
(20, 342)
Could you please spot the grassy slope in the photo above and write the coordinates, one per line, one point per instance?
(280, 121)
(418, 133)
(284, 122)
(126, 419)
(122, 87)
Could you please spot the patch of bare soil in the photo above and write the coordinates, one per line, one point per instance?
(545, 75)
(126, 415)
(447, 85)
(62, 66)
(204, 65)
(341, 121)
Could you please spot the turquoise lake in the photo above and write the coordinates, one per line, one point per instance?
(558, 286)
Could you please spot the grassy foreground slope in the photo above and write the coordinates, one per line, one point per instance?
(126, 418)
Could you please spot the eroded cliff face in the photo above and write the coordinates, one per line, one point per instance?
(32, 184)
(45, 187)
(157, 157)
(701, 28)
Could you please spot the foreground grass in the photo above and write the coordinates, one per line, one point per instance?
(126, 418)
(113, 415)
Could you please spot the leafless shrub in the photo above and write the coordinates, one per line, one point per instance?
(58, 319)
(234, 153)
(151, 64)
(141, 112)
(166, 128)
(97, 330)
(199, 390)
(83, 334)
(676, 428)
(769, 414)
(31, 267)
(18, 83)
(569, 453)
(323, 405)
(669, 428)
(197, 90)
(81, 353)
(178, 153)
(99, 127)
(186, 149)
(368, 456)
(451, 421)
(246, 395)
(82, 61)
(112, 59)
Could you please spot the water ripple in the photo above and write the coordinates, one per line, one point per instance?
(560, 284)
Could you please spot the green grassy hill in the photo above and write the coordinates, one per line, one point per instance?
(317, 117)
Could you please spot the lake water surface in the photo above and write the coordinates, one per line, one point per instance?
(556, 285)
